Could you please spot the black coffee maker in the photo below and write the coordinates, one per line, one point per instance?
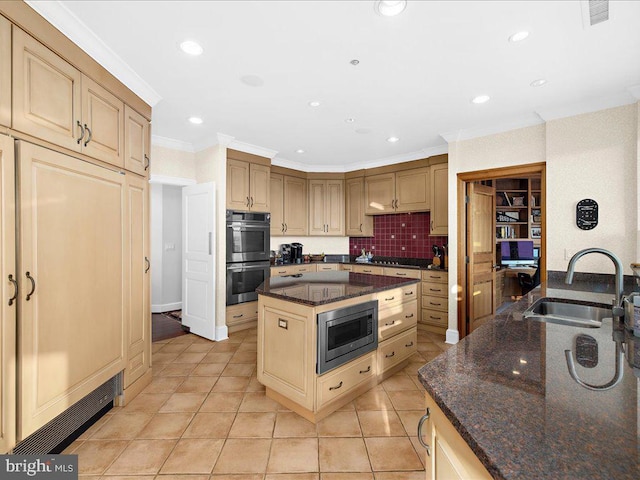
(296, 253)
(285, 251)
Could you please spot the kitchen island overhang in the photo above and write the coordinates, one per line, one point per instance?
(288, 310)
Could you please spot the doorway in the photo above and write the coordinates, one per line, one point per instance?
(478, 233)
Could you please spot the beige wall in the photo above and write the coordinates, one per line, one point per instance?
(594, 155)
(335, 245)
(166, 162)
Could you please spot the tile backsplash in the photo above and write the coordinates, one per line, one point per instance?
(401, 235)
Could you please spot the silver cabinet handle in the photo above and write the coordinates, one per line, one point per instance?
(367, 370)
(90, 135)
(392, 354)
(33, 286)
(424, 418)
(148, 161)
(146, 260)
(79, 139)
(15, 291)
(336, 387)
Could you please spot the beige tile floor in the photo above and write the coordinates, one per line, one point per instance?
(206, 417)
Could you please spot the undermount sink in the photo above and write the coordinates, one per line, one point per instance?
(566, 312)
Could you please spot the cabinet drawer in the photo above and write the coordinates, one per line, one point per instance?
(397, 296)
(435, 303)
(292, 269)
(402, 272)
(243, 312)
(303, 268)
(392, 321)
(346, 267)
(435, 289)
(396, 349)
(327, 267)
(435, 317)
(341, 380)
(435, 276)
(368, 269)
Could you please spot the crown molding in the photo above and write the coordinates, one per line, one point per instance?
(171, 143)
(590, 105)
(56, 13)
(224, 139)
(254, 149)
(469, 133)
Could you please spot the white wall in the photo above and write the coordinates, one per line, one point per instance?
(315, 245)
(156, 247)
(172, 247)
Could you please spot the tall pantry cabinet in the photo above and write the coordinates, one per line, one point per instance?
(74, 228)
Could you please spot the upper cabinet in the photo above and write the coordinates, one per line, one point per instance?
(357, 224)
(439, 204)
(248, 184)
(326, 207)
(137, 134)
(289, 205)
(54, 101)
(5, 72)
(397, 192)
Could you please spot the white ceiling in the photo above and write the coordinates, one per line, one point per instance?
(417, 74)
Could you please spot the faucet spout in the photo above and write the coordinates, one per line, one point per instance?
(617, 264)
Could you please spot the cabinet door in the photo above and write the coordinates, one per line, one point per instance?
(439, 206)
(317, 220)
(238, 185)
(379, 194)
(46, 93)
(103, 117)
(412, 190)
(357, 224)
(5, 72)
(334, 207)
(138, 318)
(295, 206)
(72, 300)
(259, 176)
(136, 142)
(276, 195)
(7, 310)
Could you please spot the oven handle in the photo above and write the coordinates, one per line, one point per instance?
(247, 226)
(247, 267)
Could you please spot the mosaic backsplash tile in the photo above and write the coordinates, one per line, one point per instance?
(401, 235)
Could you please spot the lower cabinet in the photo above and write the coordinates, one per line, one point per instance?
(449, 457)
(435, 301)
(344, 379)
(293, 269)
(241, 316)
(395, 350)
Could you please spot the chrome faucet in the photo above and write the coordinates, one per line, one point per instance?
(618, 311)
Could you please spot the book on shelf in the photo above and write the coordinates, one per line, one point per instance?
(506, 197)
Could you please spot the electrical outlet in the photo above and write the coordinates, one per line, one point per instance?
(169, 246)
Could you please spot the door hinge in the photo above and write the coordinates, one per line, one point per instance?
(466, 199)
(466, 259)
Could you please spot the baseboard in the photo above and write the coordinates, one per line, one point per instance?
(453, 336)
(166, 307)
(222, 333)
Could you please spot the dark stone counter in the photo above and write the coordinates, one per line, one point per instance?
(327, 287)
(507, 390)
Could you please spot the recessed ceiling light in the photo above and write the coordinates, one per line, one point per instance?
(252, 80)
(392, 139)
(349, 120)
(518, 36)
(481, 99)
(390, 8)
(195, 120)
(354, 62)
(192, 48)
(538, 83)
(315, 103)
(299, 151)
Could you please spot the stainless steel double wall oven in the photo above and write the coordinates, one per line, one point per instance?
(248, 242)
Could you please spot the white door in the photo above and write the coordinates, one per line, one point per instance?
(198, 269)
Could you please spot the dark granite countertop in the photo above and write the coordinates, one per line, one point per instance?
(327, 287)
(507, 390)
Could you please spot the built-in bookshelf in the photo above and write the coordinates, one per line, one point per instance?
(518, 208)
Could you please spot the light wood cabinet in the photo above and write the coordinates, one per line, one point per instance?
(394, 351)
(368, 269)
(73, 253)
(439, 199)
(8, 291)
(294, 269)
(54, 101)
(346, 378)
(138, 318)
(435, 301)
(289, 214)
(326, 207)
(399, 192)
(248, 186)
(357, 224)
(327, 267)
(5, 72)
(241, 316)
(137, 142)
(449, 456)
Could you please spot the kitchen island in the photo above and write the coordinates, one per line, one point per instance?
(291, 347)
(503, 403)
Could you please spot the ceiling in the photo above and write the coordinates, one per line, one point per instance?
(417, 73)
